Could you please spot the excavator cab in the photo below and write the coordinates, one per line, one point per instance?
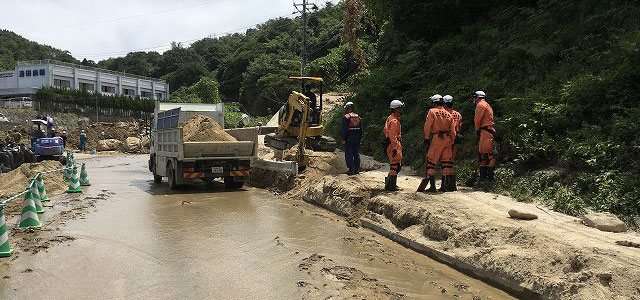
(300, 122)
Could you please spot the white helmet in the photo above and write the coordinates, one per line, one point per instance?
(436, 98)
(348, 104)
(480, 94)
(447, 99)
(396, 104)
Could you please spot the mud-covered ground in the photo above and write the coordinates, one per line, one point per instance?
(553, 257)
(126, 237)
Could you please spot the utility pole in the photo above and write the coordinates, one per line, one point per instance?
(302, 9)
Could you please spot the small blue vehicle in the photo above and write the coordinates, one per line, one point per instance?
(43, 144)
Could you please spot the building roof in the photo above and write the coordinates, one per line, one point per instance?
(79, 66)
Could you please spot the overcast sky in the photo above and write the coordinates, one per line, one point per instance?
(100, 29)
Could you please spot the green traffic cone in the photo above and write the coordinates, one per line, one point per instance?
(41, 190)
(74, 183)
(33, 187)
(29, 215)
(84, 177)
(5, 248)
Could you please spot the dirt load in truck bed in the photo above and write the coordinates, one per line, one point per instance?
(204, 129)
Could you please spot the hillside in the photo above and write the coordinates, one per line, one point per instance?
(16, 48)
(562, 77)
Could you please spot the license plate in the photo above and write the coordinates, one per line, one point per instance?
(217, 170)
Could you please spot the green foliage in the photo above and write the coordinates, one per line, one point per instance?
(203, 91)
(47, 95)
(14, 48)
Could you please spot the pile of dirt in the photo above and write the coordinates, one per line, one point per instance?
(16, 181)
(119, 131)
(552, 257)
(204, 129)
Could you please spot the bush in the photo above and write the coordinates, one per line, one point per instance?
(48, 95)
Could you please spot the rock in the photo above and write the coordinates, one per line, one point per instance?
(132, 145)
(522, 215)
(84, 121)
(145, 141)
(604, 222)
(121, 125)
(108, 145)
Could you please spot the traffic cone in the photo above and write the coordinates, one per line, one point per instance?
(41, 190)
(5, 248)
(33, 187)
(84, 178)
(29, 215)
(74, 183)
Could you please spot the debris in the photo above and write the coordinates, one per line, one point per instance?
(132, 145)
(628, 244)
(604, 222)
(522, 215)
(108, 145)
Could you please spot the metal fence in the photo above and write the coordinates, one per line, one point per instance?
(20, 103)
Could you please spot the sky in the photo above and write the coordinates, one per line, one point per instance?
(109, 28)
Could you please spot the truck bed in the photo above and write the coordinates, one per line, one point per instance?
(171, 144)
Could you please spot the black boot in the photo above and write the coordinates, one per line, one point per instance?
(350, 172)
(444, 184)
(452, 183)
(432, 184)
(356, 170)
(393, 183)
(386, 183)
(483, 174)
(490, 173)
(423, 185)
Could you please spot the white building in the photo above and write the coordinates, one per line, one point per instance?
(27, 77)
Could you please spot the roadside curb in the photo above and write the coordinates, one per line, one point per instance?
(511, 286)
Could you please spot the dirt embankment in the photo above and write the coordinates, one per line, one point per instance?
(552, 257)
(17, 180)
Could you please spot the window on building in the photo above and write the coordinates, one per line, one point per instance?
(21, 74)
(145, 94)
(62, 83)
(87, 86)
(159, 96)
(28, 73)
(128, 92)
(41, 72)
(108, 89)
(35, 72)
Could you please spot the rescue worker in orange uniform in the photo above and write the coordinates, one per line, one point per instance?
(439, 133)
(393, 134)
(484, 126)
(351, 133)
(457, 142)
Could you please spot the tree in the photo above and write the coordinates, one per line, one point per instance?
(207, 90)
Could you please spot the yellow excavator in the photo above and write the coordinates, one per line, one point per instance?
(300, 122)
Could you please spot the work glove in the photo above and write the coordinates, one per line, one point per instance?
(394, 153)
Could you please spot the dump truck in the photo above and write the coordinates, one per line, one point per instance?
(184, 162)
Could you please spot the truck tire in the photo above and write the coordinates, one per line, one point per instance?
(229, 183)
(171, 175)
(157, 178)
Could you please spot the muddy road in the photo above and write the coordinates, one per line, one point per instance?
(138, 240)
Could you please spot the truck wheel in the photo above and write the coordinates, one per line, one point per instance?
(157, 178)
(171, 175)
(229, 183)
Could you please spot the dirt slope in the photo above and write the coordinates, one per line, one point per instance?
(553, 257)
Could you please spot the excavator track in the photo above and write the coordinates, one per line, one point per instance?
(321, 143)
(315, 143)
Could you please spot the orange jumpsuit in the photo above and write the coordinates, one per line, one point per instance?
(393, 131)
(483, 122)
(441, 125)
(457, 120)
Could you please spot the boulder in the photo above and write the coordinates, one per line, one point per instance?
(108, 145)
(604, 222)
(121, 125)
(84, 121)
(132, 145)
(522, 215)
(145, 141)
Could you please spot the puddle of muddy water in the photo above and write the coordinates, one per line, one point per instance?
(146, 242)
